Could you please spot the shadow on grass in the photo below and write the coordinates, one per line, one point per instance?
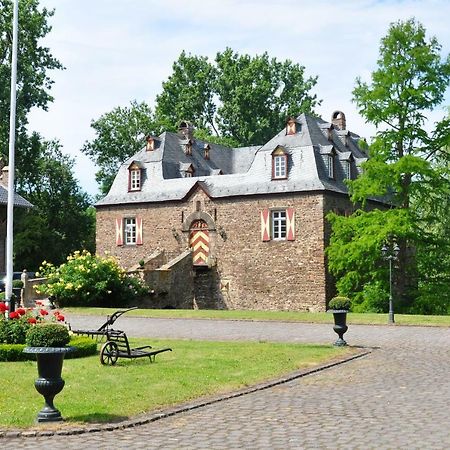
(96, 418)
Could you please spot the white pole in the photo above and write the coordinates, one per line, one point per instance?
(12, 141)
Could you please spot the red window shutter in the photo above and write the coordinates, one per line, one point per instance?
(119, 231)
(265, 225)
(290, 224)
(138, 230)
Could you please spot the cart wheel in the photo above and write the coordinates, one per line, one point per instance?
(109, 353)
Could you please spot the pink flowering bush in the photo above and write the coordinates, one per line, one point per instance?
(13, 331)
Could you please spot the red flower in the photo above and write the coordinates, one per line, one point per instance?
(3, 307)
(14, 315)
(60, 317)
(39, 303)
(43, 312)
(21, 311)
(32, 320)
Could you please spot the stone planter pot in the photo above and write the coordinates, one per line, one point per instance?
(49, 384)
(340, 325)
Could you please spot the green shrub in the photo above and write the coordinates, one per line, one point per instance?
(13, 331)
(90, 280)
(340, 303)
(84, 346)
(47, 335)
(13, 352)
(17, 284)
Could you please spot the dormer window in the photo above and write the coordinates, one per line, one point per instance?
(134, 177)
(188, 148)
(292, 126)
(206, 150)
(279, 164)
(187, 170)
(150, 144)
(329, 163)
(347, 167)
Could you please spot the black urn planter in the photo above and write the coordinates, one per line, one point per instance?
(49, 384)
(340, 326)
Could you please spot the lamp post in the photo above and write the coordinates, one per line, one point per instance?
(390, 253)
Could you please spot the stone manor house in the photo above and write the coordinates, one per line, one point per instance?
(232, 228)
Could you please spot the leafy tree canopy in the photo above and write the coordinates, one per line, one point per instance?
(119, 134)
(61, 220)
(34, 61)
(236, 100)
(405, 166)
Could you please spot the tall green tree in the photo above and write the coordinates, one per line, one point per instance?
(241, 98)
(257, 94)
(34, 62)
(119, 134)
(61, 220)
(410, 80)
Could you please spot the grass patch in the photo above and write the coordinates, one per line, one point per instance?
(284, 316)
(96, 393)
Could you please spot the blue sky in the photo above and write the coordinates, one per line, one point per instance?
(116, 51)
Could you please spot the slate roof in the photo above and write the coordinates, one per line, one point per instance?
(18, 200)
(241, 171)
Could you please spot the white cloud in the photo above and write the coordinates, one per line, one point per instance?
(116, 51)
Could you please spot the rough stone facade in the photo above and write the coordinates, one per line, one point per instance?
(248, 273)
(254, 217)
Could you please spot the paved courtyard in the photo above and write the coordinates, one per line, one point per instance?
(397, 397)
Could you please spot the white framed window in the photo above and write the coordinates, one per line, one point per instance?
(279, 225)
(188, 174)
(329, 162)
(130, 230)
(279, 163)
(347, 170)
(135, 179)
(279, 166)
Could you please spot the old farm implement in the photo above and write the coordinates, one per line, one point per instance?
(116, 342)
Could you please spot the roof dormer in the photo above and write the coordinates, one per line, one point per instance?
(293, 126)
(135, 177)
(279, 163)
(206, 151)
(152, 143)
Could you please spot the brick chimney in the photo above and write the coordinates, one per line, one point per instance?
(338, 120)
(186, 129)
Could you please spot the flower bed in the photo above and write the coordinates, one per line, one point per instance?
(13, 332)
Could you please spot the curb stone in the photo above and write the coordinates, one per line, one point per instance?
(153, 417)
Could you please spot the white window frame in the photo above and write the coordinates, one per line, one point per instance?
(279, 166)
(135, 179)
(130, 230)
(347, 170)
(330, 165)
(278, 219)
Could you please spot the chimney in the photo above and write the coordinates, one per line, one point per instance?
(186, 129)
(338, 120)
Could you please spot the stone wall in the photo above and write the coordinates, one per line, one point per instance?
(250, 273)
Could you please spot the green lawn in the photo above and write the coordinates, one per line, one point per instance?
(287, 316)
(96, 393)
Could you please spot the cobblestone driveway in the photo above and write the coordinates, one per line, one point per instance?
(398, 397)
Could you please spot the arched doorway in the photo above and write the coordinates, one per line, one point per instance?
(199, 242)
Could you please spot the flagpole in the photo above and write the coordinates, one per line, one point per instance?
(12, 141)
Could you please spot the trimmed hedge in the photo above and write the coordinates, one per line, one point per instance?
(84, 346)
(47, 335)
